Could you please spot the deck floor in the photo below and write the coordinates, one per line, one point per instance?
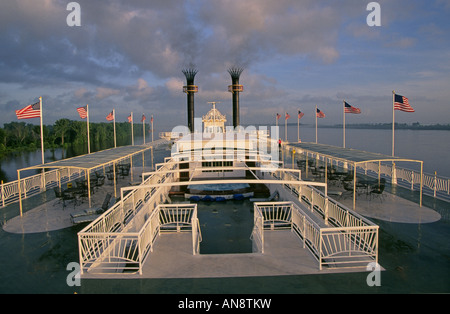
(51, 215)
(391, 208)
(172, 257)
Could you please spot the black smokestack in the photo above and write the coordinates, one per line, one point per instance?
(190, 89)
(235, 73)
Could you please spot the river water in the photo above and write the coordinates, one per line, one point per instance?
(416, 256)
(430, 146)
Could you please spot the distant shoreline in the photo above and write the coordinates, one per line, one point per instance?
(398, 126)
(381, 126)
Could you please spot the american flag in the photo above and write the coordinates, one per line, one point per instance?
(287, 116)
(30, 111)
(82, 111)
(278, 116)
(300, 114)
(350, 109)
(319, 114)
(130, 119)
(402, 103)
(110, 116)
(143, 118)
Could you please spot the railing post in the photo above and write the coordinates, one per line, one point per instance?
(379, 171)
(435, 184)
(376, 243)
(393, 174)
(304, 231)
(80, 254)
(320, 249)
(20, 192)
(262, 232)
(421, 182)
(193, 232)
(140, 252)
(43, 180)
(3, 195)
(177, 219)
(151, 231)
(133, 202)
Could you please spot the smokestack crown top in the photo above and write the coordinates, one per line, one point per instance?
(235, 72)
(190, 75)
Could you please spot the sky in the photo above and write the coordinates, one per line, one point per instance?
(296, 54)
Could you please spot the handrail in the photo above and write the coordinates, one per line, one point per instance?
(35, 184)
(110, 251)
(334, 246)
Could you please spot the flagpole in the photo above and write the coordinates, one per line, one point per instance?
(87, 120)
(393, 121)
(298, 126)
(132, 132)
(42, 151)
(276, 119)
(42, 130)
(285, 126)
(114, 116)
(316, 123)
(343, 123)
(143, 127)
(152, 127)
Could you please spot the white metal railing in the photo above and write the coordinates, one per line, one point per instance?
(126, 252)
(118, 216)
(433, 185)
(139, 218)
(35, 184)
(122, 237)
(176, 217)
(196, 234)
(38, 183)
(258, 231)
(352, 245)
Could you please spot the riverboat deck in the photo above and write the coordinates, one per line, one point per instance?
(52, 215)
(320, 239)
(368, 163)
(172, 258)
(68, 169)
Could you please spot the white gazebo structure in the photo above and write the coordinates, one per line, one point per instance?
(214, 121)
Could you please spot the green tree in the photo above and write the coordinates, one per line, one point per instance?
(62, 126)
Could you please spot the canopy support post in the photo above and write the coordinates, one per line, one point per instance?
(89, 187)
(421, 181)
(20, 191)
(354, 186)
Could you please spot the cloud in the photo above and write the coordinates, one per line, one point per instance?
(81, 93)
(129, 38)
(255, 30)
(104, 92)
(174, 85)
(141, 90)
(131, 52)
